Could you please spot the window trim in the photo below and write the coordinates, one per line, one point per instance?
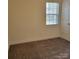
(58, 15)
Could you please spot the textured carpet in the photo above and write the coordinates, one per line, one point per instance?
(45, 49)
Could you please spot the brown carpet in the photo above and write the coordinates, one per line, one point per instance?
(46, 49)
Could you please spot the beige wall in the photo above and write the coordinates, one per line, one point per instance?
(27, 22)
(65, 27)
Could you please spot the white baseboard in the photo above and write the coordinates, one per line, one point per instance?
(30, 40)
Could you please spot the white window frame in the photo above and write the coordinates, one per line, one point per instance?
(57, 15)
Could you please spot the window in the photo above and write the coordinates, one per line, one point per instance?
(52, 13)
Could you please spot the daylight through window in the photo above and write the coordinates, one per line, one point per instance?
(52, 13)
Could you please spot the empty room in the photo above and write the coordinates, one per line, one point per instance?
(39, 29)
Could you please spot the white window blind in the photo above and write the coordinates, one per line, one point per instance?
(52, 13)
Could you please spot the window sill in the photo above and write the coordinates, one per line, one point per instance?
(51, 24)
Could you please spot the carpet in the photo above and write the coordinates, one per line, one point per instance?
(56, 48)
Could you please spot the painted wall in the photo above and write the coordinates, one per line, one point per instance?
(65, 21)
(27, 22)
